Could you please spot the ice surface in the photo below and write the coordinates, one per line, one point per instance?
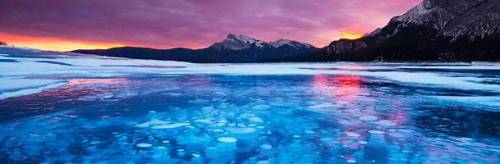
(7, 84)
(92, 66)
(491, 101)
(376, 132)
(241, 130)
(386, 123)
(170, 126)
(98, 109)
(28, 89)
(369, 118)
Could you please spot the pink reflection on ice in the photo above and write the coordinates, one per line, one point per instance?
(96, 81)
(360, 123)
(342, 88)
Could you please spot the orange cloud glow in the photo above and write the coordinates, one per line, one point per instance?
(351, 35)
(53, 44)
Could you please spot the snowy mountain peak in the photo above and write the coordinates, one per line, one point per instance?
(435, 13)
(238, 42)
(416, 13)
(291, 43)
(439, 13)
(476, 18)
(241, 38)
(281, 42)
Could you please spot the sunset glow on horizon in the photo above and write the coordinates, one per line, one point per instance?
(351, 35)
(53, 44)
(93, 24)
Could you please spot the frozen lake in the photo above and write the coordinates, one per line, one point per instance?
(73, 108)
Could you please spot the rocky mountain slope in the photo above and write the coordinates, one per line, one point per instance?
(450, 30)
(238, 42)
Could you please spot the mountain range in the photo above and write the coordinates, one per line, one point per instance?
(435, 30)
(233, 49)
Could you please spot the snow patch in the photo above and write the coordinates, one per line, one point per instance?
(285, 42)
(241, 130)
(368, 118)
(385, 123)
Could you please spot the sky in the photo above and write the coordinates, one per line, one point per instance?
(64, 25)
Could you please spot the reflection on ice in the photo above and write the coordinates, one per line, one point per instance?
(341, 88)
(96, 81)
